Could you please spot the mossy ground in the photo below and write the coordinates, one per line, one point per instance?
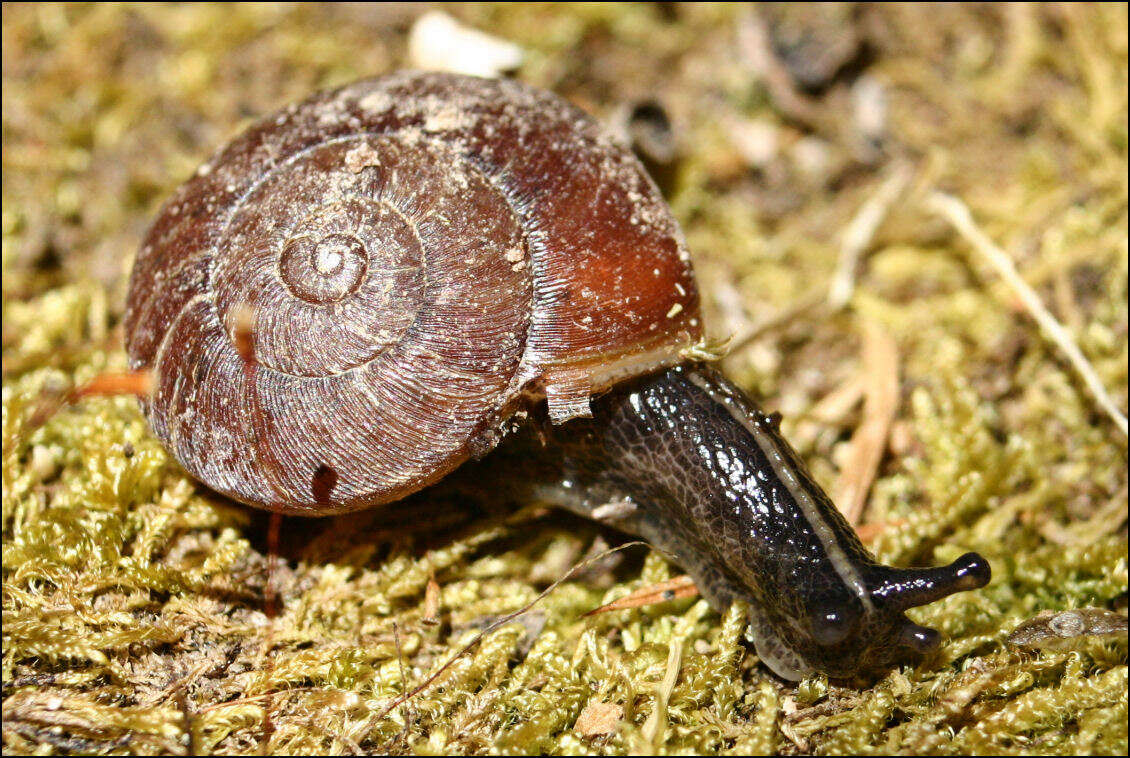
(134, 611)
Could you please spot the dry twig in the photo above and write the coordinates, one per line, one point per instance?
(672, 589)
(957, 214)
(881, 396)
(859, 233)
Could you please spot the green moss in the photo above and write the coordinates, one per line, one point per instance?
(134, 601)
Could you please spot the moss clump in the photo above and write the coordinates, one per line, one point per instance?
(134, 602)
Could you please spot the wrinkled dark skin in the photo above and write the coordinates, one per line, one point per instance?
(697, 460)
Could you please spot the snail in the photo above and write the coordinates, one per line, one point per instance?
(367, 289)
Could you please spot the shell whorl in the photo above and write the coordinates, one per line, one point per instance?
(348, 250)
(394, 246)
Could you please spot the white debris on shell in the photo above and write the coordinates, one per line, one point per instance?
(446, 117)
(360, 157)
(440, 43)
(330, 112)
(377, 101)
(516, 257)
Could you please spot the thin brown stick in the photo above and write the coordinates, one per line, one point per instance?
(495, 625)
(680, 586)
(270, 592)
(870, 532)
(957, 214)
(137, 383)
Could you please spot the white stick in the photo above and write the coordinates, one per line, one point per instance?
(859, 233)
(956, 212)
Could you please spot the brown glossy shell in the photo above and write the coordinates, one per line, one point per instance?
(411, 255)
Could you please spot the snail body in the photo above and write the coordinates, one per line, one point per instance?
(368, 288)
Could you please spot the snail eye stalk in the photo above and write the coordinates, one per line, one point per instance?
(900, 589)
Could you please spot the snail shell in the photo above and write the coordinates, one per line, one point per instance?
(358, 293)
(413, 256)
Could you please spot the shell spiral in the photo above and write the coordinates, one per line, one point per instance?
(411, 256)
